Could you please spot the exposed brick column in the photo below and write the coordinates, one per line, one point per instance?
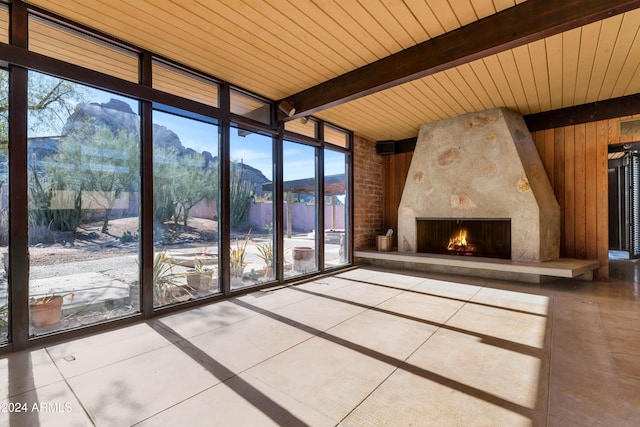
(367, 175)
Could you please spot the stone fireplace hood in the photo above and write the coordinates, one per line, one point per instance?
(482, 165)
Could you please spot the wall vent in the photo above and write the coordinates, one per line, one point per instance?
(629, 127)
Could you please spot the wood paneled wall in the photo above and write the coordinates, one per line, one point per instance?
(394, 175)
(575, 158)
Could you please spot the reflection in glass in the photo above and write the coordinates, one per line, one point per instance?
(250, 106)
(84, 203)
(335, 212)
(185, 209)
(251, 209)
(4, 205)
(300, 209)
(335, 136)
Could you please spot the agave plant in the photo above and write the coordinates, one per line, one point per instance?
(165, 281)
(237, 256)
(265, 253)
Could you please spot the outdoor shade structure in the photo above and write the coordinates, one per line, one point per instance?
(334, 185)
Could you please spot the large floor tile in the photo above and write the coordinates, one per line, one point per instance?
(244, 344)
(189, 323)
(630, 395)
(25, 371)
(270, 299)
(364, 295)
(586, 396)
(579, 339)
(324, 285)
(419, 306)
(384, 333)
(318, 313)
(407, 399)
(470, 364)
(514, 300)
(134, 389)
(505, 325)
(51, 405)
(627, 365)
(362, 273)
(240, 401)
(395, 280)
(332, 378)
(80, 356)
(447, 289)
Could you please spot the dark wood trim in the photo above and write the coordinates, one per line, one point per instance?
(586, 113)
(24, 58)
(320, 200)
(224, 179)
(407, 145)
(18, 24)
(147, 251)
(18, 274)
(554, 119)
(350, 232)
(527, 22)
(278, 198)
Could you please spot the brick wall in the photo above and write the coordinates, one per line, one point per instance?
(368, 209)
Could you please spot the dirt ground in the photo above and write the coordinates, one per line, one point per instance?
(89, 243)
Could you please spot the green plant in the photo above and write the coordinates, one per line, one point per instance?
(240, 196)
(238, 255)
(4, 314)
(265, 253)
(128, 237)
(166, 288)
(269, 228)
(200, 268)
(42, 195)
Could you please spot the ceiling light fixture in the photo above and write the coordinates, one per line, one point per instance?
(287, 107)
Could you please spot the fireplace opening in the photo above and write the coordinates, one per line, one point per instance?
(482, 237)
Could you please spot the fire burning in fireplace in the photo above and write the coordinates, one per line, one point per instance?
(458, 244)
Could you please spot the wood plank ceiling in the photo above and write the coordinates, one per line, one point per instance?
(278, 48)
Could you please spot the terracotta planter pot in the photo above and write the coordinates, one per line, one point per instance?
(46, 311)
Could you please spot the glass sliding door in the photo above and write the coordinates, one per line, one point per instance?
(251, 209)
(84, 204)
(300, 209)
(335, 209)
(185, 205)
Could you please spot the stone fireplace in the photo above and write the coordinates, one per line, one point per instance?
(476, 186)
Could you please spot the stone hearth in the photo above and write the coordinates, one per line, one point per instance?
(482, 165)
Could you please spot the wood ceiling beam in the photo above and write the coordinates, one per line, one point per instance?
(586, 113)
(524, 23)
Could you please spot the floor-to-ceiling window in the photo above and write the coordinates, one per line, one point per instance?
(335, 208)
(185, 208)
(125, 214)
(251, 253)
(300, 208)
(84, 204)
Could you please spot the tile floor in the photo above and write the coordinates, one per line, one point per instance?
(367, 347)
